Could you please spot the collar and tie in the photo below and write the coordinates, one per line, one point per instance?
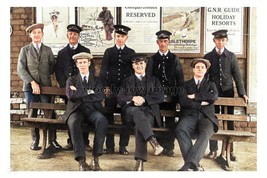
(37, 48)
(85, 83)
(198, 84)
(219, 52)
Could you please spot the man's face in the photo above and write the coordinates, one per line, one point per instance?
(120, 39)
(220, 42)
(73, 37)
(36, 35)
(83, 65)
(199, 70)
(163, 44)
(139, 67)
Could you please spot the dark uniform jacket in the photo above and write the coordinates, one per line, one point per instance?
(153, 95)
(34, 66)
(65, 65)
(115, 68)
(169, 70)
(223, 71)
(80, 96)
(207, 92)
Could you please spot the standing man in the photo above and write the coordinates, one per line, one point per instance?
(35, 67)
(116, 66)
(85, 96)
(167, 68)
(139, 97)
(224, 69)
(197, 115)
(65, 67)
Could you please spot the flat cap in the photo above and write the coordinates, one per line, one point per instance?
(138, 57)
(204, 61)
(121, 29)
(74, 28)
(220, 34)
(163, 34)
(34, 26)
(82, 55)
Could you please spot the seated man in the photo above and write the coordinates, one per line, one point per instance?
(84, 103)
(139, 97)
(197, 115)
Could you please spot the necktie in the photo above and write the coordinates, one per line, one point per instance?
(141, 77)
(37, 48)
(84, 83)
(219, 52)
(198, 84)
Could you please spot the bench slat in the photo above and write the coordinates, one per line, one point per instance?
(232, 117)
(53, 91)
(230, 102)
(49, 106)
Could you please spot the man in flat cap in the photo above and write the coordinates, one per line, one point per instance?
(85, 95)
(197, 115)
(35, 67)
(116, 66)
(66, 67)
(167, 68)
(139, 97)
(224, 69)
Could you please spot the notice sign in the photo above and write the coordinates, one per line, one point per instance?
(144, 23)
(184, 24)
(229, 18)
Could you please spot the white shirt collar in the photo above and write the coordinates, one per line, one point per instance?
(87, 76)
(73, 46)
(161, 53)
(196, 80)
(35, 45)
(120, 47)
(139, 75)
(218, 50)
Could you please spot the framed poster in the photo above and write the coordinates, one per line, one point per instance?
(184, 24)
(98, 28)
(229, 18)
(55, 20)
(144, 23)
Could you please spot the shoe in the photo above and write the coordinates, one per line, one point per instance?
(88, 148)
(68, 147)
(34, 145)
(83, 166)
(139, 166)
(56, 145)
(212, 155)
(109, 151)
(95, 164)
(186, 167)
(169, 153)
(123, 150)
(47, 154)
(233, 157)
(155, 145)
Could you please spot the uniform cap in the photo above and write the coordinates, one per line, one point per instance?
(163, 34)
(138, 58)
(121, 29)
(82, 55)
(204, 61)
(35, 26)
(220, 34)
(74, 28)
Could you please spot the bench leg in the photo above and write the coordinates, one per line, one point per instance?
(42, 154)
(224, 159)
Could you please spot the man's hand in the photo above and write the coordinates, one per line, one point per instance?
(138, 100)
(73, 87)
(192, 96)
(35, 87)
(245, 98)
(107, 91)
(204, 103)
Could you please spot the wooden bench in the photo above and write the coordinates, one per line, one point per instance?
(227, 136)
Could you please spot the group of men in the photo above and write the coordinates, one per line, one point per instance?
(138, 84)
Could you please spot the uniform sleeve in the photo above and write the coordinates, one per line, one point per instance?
(22, 66)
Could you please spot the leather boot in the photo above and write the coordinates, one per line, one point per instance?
(95, 164)
(139, 166)
(83, 166)
(155, 145)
